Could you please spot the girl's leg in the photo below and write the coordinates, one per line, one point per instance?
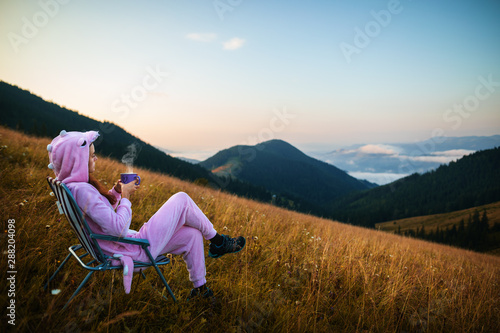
(188, 242)
(179, 227)
(179, 211)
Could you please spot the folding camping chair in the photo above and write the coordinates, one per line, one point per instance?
(88, 242)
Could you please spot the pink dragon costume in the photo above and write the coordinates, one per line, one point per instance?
(178, 227)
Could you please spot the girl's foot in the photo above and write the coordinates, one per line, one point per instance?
(229, 245)
(202, 291)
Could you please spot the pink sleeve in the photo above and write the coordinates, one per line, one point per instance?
(100, 211)
(117, 195)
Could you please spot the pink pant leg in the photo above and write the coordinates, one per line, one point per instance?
(165, 233)
(189, 242)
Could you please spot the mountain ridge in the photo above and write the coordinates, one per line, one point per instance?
(282, 168)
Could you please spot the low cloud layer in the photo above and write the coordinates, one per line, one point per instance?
(388, 151)
(384, 163)
(378, 149)
(442, 157)
(380, 178)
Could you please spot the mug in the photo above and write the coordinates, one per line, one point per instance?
(128, 177)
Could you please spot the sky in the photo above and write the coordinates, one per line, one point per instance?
(201, 76)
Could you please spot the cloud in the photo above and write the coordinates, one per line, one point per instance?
(431, 159)
(454, 152)
(380, 178)
(443, 157)
(233, 43)
(377, 149)
(202, 37)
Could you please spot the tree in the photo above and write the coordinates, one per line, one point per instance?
(421, 233)
(461, 226)
(484, 221)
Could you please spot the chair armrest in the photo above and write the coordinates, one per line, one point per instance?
(136, 241)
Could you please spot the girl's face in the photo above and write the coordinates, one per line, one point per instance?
(92, 158)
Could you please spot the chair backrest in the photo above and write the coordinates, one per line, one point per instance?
(75, 218)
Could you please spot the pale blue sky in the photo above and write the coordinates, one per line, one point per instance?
(411, 67)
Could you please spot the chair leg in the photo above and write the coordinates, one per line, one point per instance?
(144, 277)
(165, 283)
(57, 271)
(79, 288)
(161, 275)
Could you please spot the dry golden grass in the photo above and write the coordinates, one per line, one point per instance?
(298, 273)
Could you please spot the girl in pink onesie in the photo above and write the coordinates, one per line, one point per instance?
(178, 227)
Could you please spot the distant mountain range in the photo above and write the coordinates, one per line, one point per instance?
(384, 163)
(283, 169)
(173, 153)
(275, 171)
(29, 113)
(471, 181)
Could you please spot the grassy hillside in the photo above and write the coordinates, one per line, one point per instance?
(443, 221)
(461, 228)
(298, 273)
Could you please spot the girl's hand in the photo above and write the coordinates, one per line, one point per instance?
(128, 189)
(118, 186)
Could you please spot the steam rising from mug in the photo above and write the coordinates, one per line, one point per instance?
(129, 158)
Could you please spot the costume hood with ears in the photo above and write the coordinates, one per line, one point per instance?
(69, 155)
